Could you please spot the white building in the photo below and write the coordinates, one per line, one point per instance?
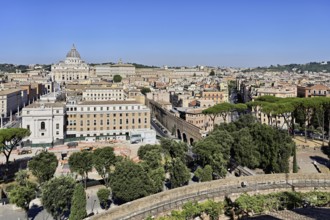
(46, 122)
(109, 71)
(104, 94)
(122, 69)
(72, 69)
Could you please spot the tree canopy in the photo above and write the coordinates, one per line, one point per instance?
(81, 163)
(145, 90)
(57, 194)
(129, 181)
(103, 196)
(9, 138)
(179, 173)
(78, 208)
(117, 78)
(103, 159)
(43, 166)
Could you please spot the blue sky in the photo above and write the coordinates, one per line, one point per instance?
(240, 33)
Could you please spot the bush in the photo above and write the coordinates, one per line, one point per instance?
(103, 196)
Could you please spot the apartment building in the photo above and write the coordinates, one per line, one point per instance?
(313, 91)
(281, 92)
(11, 100)
(103, 94)
(277, 121)
(46, 122)
(109, 120)
(216, 96)
(196, 117)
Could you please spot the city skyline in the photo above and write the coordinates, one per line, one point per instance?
(212, 33)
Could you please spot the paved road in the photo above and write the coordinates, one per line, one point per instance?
(159, 131)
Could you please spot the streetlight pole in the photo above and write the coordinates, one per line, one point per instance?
(93, 205)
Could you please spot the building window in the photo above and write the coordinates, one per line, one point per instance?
(57, 132)
(28, 127)
(94, 122)
(42, 125)
(57, 111)
(42, 134)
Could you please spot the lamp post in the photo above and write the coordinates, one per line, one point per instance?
(93, 205)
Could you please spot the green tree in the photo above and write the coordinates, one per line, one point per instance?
(81, 163)
(22, 177)
(117, 78)
(179, 173)
(103, 196)
(244, 150)
(103, 159)
(78, 203)
(9, 138)
(43, 166)
(57, 194)
(145, 90)
(22, 195)
(214, 150)
(144, 149)
(157, 177)
(151, 157)
(204, 174)
(152, 160)
(129, 181)
(212, 73)
(174, 149)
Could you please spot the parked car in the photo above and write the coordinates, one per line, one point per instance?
(24, 151)
(72, 144)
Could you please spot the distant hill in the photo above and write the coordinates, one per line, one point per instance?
(300, 68)
(11, 68)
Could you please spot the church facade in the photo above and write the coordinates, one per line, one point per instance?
(73, 68)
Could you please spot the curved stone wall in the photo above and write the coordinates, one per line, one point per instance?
(218, 189)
